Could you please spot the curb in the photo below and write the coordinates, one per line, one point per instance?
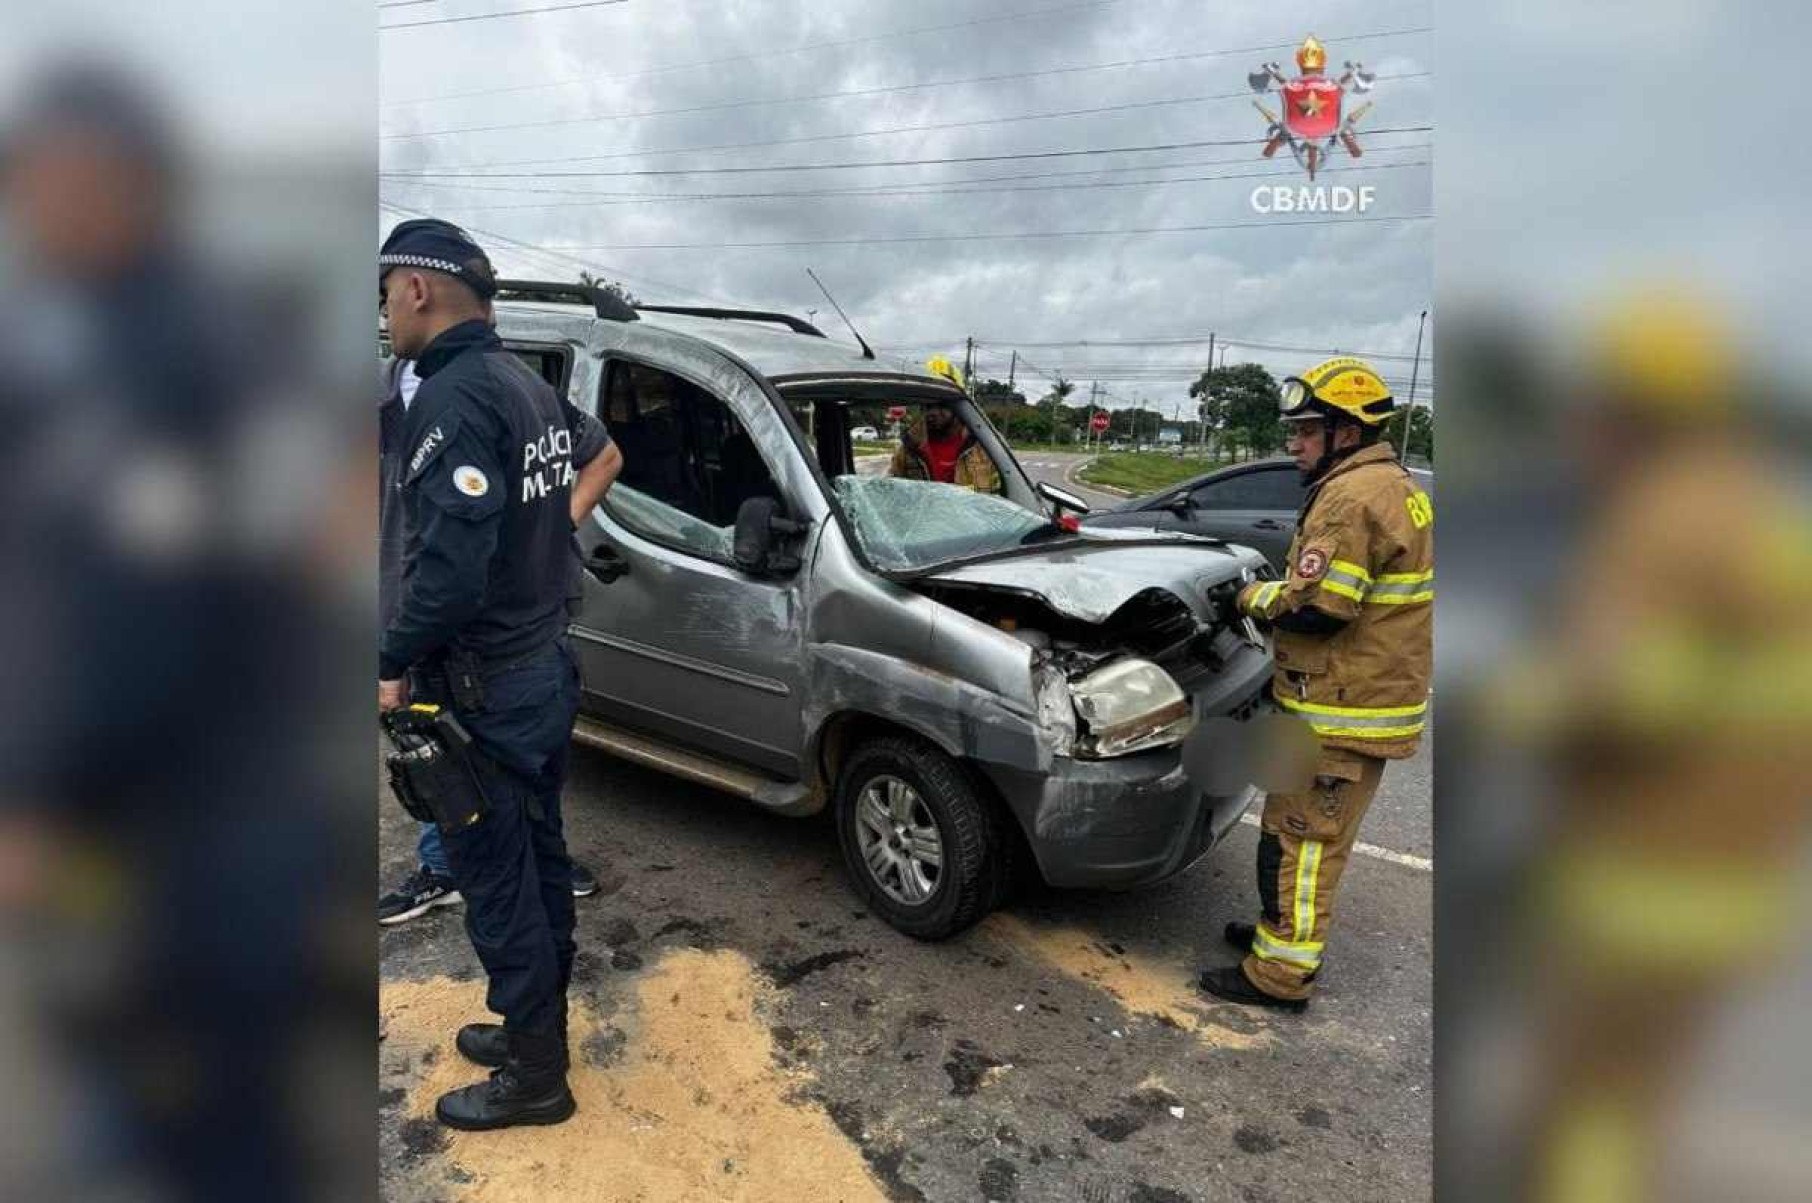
(1069, 475)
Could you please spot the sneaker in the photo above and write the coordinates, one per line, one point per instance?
(585, 882)
(420, 893)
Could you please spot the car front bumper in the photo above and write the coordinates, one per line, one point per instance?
(1117, 824)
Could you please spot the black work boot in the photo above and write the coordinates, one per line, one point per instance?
(483, 1044)
(1241, 935)
(530, 1088)
(488, 1045)
(1232, 985)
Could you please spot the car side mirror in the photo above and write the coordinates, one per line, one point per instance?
(1180, 505)
(760, 528)
(1062, 498)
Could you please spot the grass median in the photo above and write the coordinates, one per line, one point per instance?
(1138, 473)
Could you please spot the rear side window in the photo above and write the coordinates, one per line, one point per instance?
(688, 464)
(549, 363)
(1264, 489)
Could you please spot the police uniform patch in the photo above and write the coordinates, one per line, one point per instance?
(1312, 564)
(428, 447)
(471, 481)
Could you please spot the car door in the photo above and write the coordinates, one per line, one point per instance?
(673, 639)
(1255, 506)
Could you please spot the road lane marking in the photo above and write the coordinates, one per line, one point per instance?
(1420, 863)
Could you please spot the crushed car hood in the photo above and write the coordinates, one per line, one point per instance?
(1093, 579)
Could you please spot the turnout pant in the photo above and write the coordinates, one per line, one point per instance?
(1304, 841)
(512, 865)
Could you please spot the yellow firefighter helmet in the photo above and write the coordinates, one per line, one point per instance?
(1664, 350)
(1340, 386)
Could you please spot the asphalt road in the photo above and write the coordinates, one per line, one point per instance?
(745, 1029)
(1055, 467)
(1059, 469)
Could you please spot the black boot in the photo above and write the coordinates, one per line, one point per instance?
(529, 1089)
(1234, 986)
(483, 1044)
(1240, 935)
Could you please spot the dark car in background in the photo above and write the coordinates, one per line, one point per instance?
(1253, 504)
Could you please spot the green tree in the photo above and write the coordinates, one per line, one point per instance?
(1057, 415)
(593, 280)
(999, 401)
(1239, 405)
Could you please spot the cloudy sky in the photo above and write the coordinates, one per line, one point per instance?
(639, 138)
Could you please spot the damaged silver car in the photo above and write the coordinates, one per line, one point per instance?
(975, 687)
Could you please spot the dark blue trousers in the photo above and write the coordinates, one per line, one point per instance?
(512, 866)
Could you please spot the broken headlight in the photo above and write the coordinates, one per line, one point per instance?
(1129, 706)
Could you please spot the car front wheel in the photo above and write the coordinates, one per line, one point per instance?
(920, 843)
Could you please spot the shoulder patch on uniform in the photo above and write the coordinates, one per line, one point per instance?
(1312, 564)
(471, 481)
(431, 442)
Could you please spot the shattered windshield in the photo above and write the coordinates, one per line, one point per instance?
(909, 524)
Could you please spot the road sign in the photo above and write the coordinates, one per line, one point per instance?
(896, 413)
(1099, 422)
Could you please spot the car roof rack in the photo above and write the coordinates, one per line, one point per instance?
(606, 304)
(797, 325)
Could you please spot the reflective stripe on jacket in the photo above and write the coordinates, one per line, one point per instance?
(1363, 553)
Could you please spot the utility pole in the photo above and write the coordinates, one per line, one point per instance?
(969, 366)
(1414, 371)
(1012, 368)
(1094, 395)
(1207, 395)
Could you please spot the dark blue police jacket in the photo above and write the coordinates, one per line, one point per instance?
(487, 482)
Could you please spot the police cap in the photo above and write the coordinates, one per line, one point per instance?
(436, 245)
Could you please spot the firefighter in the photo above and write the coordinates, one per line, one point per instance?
(942, 448)
(1353, 624)
(1669, 714)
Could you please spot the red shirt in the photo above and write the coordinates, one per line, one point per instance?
(942, 455)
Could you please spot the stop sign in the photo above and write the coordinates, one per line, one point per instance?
(1099, 422)
(897, 413)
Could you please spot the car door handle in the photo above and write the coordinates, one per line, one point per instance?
(605, 564)
(1267, 524)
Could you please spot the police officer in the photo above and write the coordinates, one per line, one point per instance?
(1353, 622)
(481, 628)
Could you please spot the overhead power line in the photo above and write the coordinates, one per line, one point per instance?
(740, 105)
(483, 171)
(973, 123)
(888, 189)
(518, 12)
(565, 262)
(745, 58)
(999, 347)
(1016, 234)
(870, 194)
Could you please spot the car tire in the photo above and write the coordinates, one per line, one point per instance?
(938, 795)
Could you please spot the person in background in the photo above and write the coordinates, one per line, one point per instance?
(941, 448)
